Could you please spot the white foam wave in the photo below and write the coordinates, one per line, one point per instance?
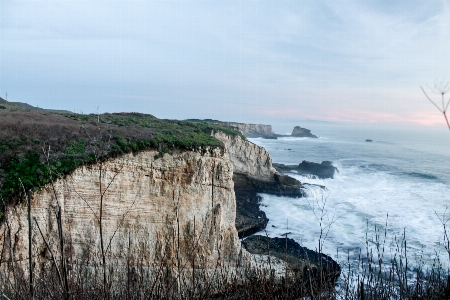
(377, 183)
(355, 204)
(313, 191)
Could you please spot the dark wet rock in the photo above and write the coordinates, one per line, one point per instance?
(284, 168)
(302, 132)
(298, 258)
(281, 185)
(249, 217)
(322, 170)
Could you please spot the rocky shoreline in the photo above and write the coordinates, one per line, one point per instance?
(250, 219)
(298, 259)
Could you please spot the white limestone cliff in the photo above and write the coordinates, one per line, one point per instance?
(148, 206)
(247, 158)
(252, 130)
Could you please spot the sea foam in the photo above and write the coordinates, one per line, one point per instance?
(377, 188)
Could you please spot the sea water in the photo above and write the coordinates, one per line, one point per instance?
(398, 184)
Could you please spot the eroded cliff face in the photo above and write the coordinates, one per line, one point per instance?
(247, 158)
(253, 168)
(148, 206)
(252, 130)
(253, 173)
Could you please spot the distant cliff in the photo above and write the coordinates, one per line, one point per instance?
(252, 130)
(265, 131)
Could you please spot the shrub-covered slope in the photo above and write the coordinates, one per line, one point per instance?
(28, 138)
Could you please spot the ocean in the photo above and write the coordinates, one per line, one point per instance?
(398, 184)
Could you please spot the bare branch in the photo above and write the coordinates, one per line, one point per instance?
(112, 180)
(85, 201)
(51, 252)
(426, 95)
(122, 219)
(442, 90)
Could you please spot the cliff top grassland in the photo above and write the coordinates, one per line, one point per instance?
(38, 145)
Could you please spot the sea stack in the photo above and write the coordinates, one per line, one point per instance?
(302, 132)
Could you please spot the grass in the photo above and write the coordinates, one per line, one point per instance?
(74, 140)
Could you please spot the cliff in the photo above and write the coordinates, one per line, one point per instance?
(252, 130)
(247, 158)
(253, 173)
(160, 196)
(253, 170)
(76, 140)
(149, 208)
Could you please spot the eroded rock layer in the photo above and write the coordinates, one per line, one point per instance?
(254, 173)
(149, 208)
(253, 130)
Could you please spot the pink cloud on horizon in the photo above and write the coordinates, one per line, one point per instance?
(359, 116)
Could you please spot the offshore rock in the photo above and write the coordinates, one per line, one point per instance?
(323, 170)
(302, 132)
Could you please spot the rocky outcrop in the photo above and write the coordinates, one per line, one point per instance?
(253, 130)
(250, 219)
(247, 158)
(299, 259)
(147, 202)
(281, 185)
(253, 173)
(302, 132)
(253, 170)
(322, 170)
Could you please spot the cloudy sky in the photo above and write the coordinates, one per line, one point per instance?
(248, 61)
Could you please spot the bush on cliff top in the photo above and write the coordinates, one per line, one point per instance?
(74, 140)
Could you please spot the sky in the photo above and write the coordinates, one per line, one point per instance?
(269, 62)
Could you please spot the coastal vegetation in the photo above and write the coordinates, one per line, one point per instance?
(74, 140)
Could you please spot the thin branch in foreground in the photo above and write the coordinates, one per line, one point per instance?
(443, 91)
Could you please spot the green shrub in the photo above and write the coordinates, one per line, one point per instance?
(129, 132)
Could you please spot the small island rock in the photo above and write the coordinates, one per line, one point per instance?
(302, 132)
